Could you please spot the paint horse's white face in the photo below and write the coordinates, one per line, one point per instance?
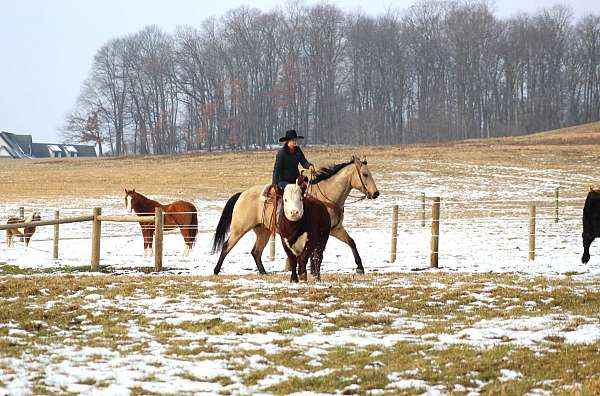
(293, 207)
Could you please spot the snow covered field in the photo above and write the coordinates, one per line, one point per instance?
(489, 321)
(374, 334)
(484, 227)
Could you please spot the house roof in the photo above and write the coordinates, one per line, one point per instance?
(40, 150)
(85, 150)
(24, 142)
(16, 145)
(22, 146)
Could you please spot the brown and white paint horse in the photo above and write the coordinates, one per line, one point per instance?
(178, 214)
(24, 233)
(247, 210)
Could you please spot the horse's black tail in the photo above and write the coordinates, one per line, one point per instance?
(224, 223)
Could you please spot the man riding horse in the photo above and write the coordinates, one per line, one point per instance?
(288, 157)
(250, 210)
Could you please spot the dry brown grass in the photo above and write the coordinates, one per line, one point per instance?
(217, 175)
(57, 315)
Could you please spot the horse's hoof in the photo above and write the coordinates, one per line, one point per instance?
(585, 259)
(360, 270)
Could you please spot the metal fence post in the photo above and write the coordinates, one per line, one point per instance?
(422, 209)
(435, 232)
(557, 205)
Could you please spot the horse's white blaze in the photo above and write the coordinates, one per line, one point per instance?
(129, 203)
(293, 207)
(298, 246)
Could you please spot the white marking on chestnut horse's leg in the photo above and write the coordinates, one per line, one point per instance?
(186, 250)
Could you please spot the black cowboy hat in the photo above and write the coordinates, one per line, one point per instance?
(289, 135)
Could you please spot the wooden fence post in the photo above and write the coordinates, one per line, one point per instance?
(56, 236)
(422, 209)
(272, 247)
(435, 232)
(96, 232)
(556, 208)
(531, 255)
(22, 217)
(158, 238)
(394, 233)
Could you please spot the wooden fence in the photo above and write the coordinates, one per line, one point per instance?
(97, 218)
(434, 252)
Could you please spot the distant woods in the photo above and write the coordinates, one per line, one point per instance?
(437, 71)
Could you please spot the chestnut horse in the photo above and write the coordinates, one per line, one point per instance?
(178, 214)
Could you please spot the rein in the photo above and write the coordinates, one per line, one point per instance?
(362, 183)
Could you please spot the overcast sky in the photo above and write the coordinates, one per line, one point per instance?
(47, 46)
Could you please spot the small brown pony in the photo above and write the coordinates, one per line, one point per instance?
(24, 233)
(178, 214)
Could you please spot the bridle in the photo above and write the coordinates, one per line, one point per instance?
(362, 182)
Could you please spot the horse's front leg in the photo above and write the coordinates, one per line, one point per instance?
(148, 234)
(340, 233)
(587, 241)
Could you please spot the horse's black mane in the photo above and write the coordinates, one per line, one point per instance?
(328, 171)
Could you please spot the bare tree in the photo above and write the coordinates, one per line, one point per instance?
(436, 72)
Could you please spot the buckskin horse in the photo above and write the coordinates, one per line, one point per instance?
(25, 233)
(304, 229)
(178, 214)
(247, 210)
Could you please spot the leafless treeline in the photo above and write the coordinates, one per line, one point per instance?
(435, 72)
